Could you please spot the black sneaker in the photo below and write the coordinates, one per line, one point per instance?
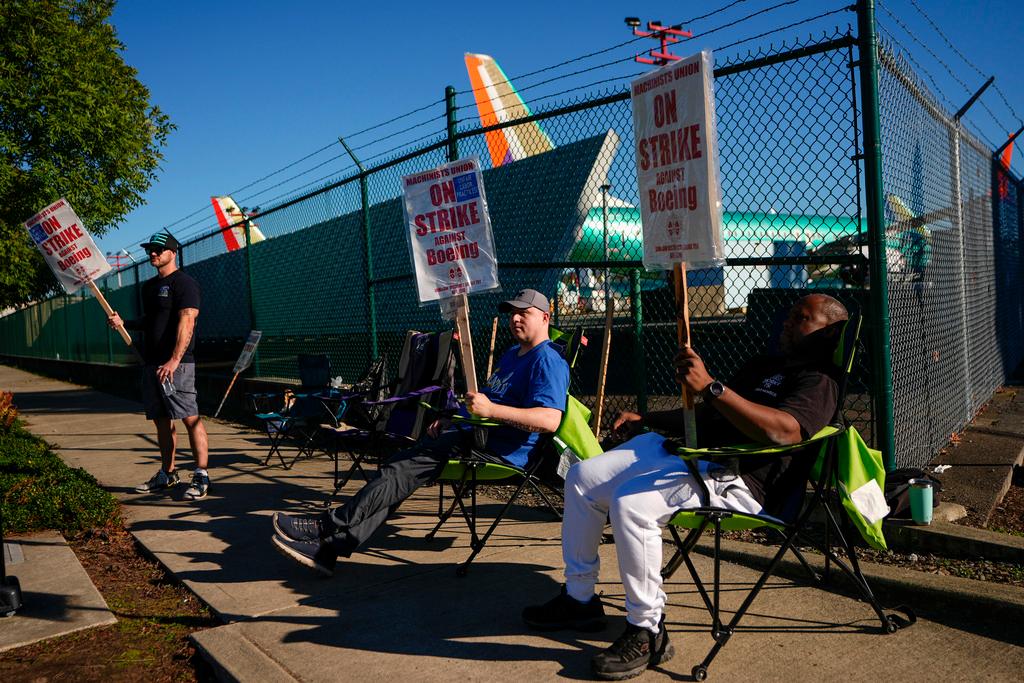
(564, 612)
(298, 527)
(159, 481)
(312, 554)
(632, 653)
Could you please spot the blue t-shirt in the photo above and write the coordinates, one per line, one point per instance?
(538, 378)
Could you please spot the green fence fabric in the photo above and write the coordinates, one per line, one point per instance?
(334, 276)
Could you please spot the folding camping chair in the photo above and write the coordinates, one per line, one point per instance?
(827, 482)
(292, 417)
(478, 466)
(425, 374)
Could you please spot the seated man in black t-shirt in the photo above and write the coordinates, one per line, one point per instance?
(772, 400)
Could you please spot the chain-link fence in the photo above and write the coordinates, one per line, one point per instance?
(334, 275)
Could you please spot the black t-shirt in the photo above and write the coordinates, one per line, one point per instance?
(162, 299)
(804, 389)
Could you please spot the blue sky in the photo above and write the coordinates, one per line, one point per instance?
(254, 86)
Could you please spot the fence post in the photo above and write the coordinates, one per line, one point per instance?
(881, 349)
(110, 341)
(252, 288)
(371, 297)
(85, 329)
(449, 115)
(636, 312)
(67, 328)
(1020, 255)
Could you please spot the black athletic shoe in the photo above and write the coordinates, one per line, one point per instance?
(158, 482)
(564, 612)
(632, 653)
(298, 527)
(312, 554)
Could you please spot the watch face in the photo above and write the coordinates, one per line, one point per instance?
(716, 389)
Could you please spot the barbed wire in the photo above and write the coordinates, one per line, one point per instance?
(684, 22)
(397, 118)
(946, 66)
(631, 57)
(962, 56)
(891, 38)
(786, 27)
(534, 104)
(404, 130)
(520, 77)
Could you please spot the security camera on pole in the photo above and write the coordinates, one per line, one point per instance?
(677, 171)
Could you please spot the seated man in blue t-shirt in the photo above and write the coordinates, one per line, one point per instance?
(526, 394)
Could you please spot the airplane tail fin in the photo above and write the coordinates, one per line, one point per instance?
(228, 214)
(497, 102)
(899, 209)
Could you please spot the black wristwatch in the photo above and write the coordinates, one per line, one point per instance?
(713, 390)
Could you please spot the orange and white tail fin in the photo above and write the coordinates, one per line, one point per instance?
(497, 102)
(228, 214)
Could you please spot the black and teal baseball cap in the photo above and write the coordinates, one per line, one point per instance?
(162, 239)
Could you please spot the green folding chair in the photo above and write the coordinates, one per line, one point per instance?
(845, 470)
(465, 473)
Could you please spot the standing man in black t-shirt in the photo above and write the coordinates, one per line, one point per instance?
(772, 400)
(170, 306)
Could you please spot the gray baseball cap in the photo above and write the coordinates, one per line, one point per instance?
(525, 298)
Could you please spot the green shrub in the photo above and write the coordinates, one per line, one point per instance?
(38, 491)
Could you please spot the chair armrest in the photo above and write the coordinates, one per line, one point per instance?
(741, 450)
(453, 415)
(425, 391)
(475, 421)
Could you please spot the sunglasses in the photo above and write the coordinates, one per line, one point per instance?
(155, 250)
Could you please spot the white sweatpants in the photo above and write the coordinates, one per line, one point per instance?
(641, 485)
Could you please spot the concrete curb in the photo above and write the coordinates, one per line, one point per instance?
(235, 658)
(954, 541)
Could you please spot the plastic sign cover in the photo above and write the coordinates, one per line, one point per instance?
(677, 163)
(245, 358)
(68, 249)
(449, 231)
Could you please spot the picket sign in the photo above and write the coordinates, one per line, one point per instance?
(451, 244)
(70, 252)
(243, 362)
(490, 350)
(677, 176)
(602, 370)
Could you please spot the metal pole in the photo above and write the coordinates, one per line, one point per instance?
(110, 341)
(604, 222)
(449, 111)
(956, 196)
(85, 330)
(636, 311)
(867, 46)
(1020, 261)
(371, 296)
(252, 286)
(67, 328)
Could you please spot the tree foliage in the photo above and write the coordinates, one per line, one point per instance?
(75, 122)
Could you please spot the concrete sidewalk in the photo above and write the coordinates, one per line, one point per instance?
(58, 596)
(399, 610)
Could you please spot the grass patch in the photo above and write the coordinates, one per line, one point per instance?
(38, 491)
(1011, 532)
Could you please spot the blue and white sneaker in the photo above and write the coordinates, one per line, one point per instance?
(199, 487)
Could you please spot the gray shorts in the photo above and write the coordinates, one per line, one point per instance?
(176, 405)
